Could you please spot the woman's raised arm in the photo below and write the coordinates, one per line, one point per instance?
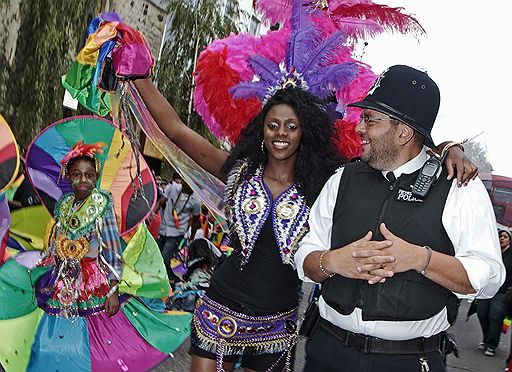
(193, 144)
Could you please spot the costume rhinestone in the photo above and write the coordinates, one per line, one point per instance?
(226, 327)
(91, 210)
(286, 211)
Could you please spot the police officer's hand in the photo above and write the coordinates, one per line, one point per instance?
(350, 259)
(407, 256)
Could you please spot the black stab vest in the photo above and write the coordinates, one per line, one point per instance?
(365, 199)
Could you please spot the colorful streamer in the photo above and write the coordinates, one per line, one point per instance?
(206, 186)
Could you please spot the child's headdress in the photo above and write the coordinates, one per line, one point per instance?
(81, 149)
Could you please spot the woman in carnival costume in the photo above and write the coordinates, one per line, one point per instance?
(273, 175)
(64, 309)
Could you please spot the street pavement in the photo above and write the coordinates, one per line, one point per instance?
(468, 335)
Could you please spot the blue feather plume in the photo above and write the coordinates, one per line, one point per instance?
(248, 89)
(265, 68)
(323, 52)
(304, 35)
(332, 77)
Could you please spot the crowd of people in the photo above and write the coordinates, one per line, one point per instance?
(394, 241)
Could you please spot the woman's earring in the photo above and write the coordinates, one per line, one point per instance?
(263, 146)
(301, 147)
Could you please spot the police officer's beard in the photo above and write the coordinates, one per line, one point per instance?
(383, 150)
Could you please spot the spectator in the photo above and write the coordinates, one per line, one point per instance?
(181, 212)
(491, 312)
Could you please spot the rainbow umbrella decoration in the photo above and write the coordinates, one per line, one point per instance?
(5, 221)
(9, 156)
(135, 339)
(9, 165)
(134, 190)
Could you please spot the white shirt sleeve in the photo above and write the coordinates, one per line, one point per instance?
(320, 224)
(469, 220)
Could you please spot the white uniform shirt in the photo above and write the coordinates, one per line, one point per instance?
(468, 218)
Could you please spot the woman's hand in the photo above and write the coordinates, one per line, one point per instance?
(457, 162)
(112, 304)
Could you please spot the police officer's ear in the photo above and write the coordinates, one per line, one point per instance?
(405, 134)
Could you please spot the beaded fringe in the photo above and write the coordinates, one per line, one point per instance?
(221, 347)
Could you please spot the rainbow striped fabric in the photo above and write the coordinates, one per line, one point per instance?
(113, 50)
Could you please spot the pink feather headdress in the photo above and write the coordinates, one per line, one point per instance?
(82, 149)
(235, 76)
(359, 19)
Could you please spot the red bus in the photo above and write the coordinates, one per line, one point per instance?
(500, 191)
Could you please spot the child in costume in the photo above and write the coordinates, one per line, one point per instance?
(84, 325)
(84, 249)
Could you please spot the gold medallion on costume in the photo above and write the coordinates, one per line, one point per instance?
(253, 205)
(287, 211)
(68, 248)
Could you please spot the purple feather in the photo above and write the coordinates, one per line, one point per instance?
(264, 67)
(110, 17)
(323, 52)
(299, 46)
(247, 89)
(299, 19)
(332, 77)
(304, 35)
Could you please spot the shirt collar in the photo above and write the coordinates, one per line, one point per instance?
(411, 166)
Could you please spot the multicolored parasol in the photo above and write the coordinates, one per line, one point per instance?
(134, 194)
(142, 338)
(9, 156)
(5, 221)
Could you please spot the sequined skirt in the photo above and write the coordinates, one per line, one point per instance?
(73, 288)
(220, 330)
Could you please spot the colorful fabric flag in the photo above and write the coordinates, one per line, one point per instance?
(103, 59)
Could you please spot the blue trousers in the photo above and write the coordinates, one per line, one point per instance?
(491, 313)
(169, 248)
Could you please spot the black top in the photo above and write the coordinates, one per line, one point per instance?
(265, 285)
(507, 261)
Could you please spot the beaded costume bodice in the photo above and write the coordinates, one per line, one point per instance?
(77, 222)
(248, 205)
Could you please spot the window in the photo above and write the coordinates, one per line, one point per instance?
(254, 28)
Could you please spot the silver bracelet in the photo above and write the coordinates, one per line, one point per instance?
(429, 256)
